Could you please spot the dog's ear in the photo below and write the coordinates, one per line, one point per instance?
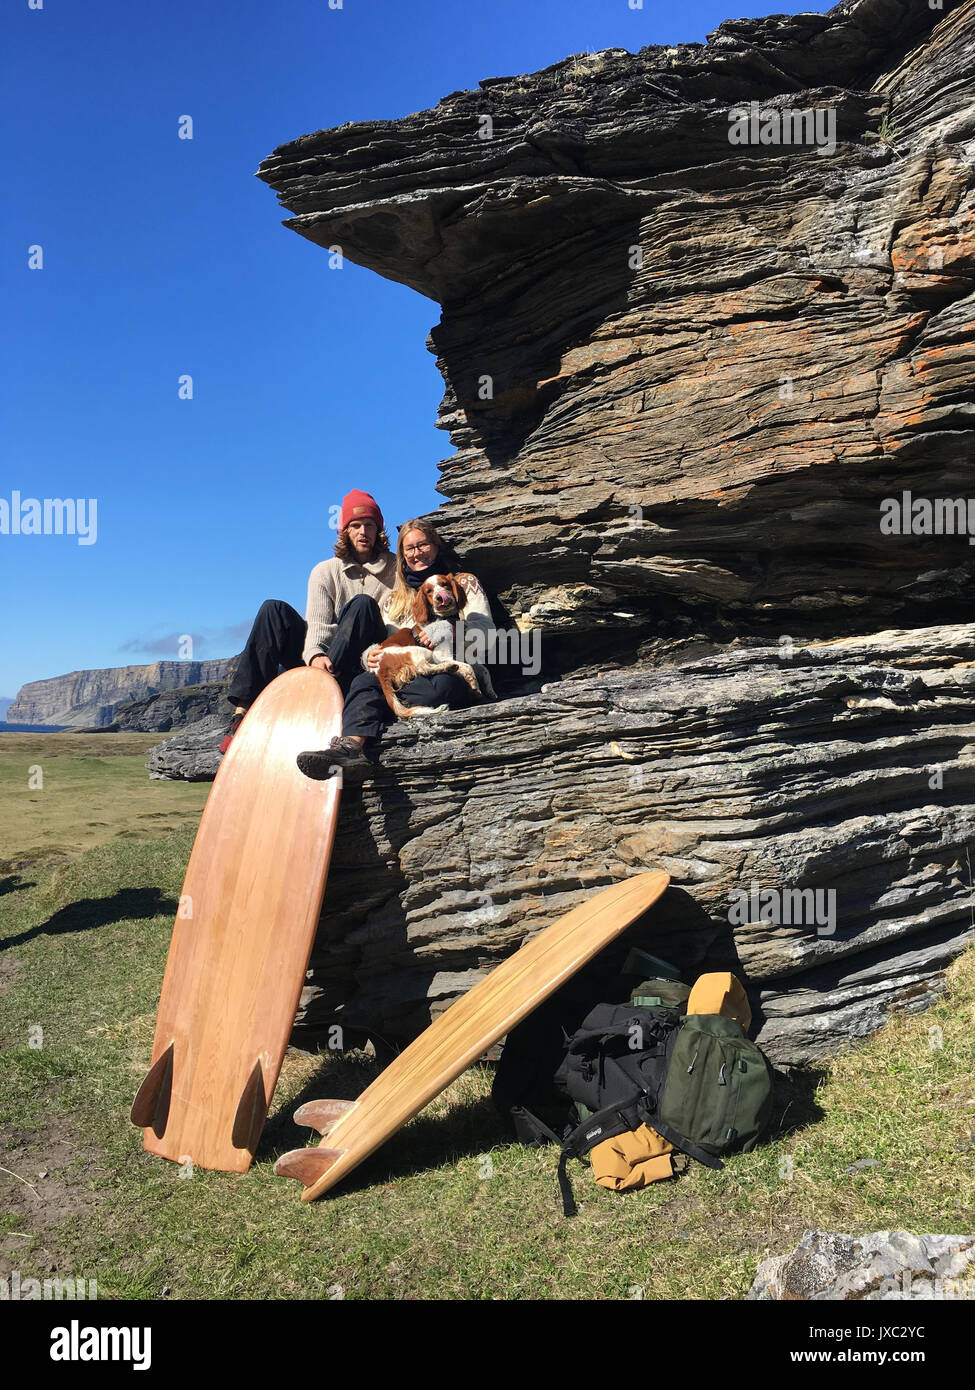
(421, 605)
(457, 590)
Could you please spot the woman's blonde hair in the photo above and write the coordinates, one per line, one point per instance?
(402, 598)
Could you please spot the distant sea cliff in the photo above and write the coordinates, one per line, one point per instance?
(94, 699)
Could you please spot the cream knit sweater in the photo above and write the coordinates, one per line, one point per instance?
(330, 586)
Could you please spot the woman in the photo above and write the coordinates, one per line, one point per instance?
(420, 553)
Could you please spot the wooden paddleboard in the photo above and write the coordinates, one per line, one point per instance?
(352, 1130)
(244, 931)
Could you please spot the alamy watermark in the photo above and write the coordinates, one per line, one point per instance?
(757, 125)
(77, 1343)
(50, 516)
(785, 907)
(906, 1283)
(18, 1289)
(491, 646)
(908, 515)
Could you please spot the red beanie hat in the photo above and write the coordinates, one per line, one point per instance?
(359, 506)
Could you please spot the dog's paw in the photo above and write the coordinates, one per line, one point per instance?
(467, 673)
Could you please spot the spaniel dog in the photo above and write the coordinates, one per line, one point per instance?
(436, 607)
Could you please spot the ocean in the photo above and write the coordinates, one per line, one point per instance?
(33, 728)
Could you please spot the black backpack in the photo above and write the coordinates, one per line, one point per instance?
(696, 1080)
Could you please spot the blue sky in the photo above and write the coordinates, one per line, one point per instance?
(164, 257)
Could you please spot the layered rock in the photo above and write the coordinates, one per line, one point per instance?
(846, 769)
(91, 698)
(686, 382)
(175, 709)
(839, 777)
(683, 375)
(191, 756)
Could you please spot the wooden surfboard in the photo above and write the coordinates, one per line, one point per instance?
(247, 920)
(353, 1130)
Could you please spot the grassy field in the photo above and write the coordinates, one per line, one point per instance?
(63, 793)
(449, 1209)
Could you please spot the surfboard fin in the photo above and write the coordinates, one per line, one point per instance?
(251, 1111)
(151, 1105)
(307, 1165)
(322, 1115)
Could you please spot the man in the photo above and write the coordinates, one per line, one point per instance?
(342, 614)
(362, 568)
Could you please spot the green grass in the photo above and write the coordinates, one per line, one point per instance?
(449, 1209)
(64, 793)
(887, 134)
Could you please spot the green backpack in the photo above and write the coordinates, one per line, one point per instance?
(718, 1087)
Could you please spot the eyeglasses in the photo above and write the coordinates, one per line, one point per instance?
(416, 549)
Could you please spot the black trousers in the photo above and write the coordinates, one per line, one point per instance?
(277, 639)
(366, 712)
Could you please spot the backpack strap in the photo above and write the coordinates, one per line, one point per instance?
(685, 1145)
(534, 1132)
(615, 1119)
(530, 1129)
(569, 1207)
(631, 1071)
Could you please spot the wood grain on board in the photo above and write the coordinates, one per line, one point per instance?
(248, 914)
(459, 1036)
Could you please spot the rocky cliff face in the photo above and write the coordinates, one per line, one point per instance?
(815, 809)
(91, 698)
(176, 709)
(683, 375)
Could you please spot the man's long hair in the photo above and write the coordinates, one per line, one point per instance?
(345, 551)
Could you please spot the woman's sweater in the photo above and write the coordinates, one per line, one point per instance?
(476, 618)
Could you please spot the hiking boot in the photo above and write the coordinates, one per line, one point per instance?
(232, 729)
(346, 753)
